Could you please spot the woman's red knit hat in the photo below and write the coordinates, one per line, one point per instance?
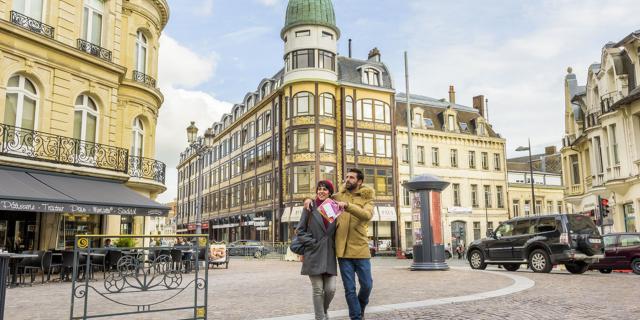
(328, 184)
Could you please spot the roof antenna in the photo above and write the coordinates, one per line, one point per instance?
(349, 48)
(486, 106)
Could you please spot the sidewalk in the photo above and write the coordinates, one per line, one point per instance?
(252, 289)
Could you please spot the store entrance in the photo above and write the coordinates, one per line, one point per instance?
(18, 231)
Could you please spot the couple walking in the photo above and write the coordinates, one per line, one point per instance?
(345, 239)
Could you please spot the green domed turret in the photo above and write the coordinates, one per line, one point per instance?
(310, 12)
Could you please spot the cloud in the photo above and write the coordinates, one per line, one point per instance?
(181, 67)
(204, 9)
(247, 34)
(270, 3)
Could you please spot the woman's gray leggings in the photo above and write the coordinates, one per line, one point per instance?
(324, 288)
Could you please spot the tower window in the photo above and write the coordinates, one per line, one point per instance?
(326, 60)
(327, 35)
(303, 59)
(303, 33)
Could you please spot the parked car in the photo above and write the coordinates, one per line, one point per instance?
(253, 248)
(541, 242)
(372, 248)
(409, 253)
(621, 252)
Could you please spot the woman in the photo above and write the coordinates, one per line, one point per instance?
(317, 235)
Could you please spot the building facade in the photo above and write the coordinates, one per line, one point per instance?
(601, 146)
(457, 144)
(79, 108)
(314, 119)
(548, 188)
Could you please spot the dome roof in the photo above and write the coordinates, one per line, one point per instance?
(310, 12)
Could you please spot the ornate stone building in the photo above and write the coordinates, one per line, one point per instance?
(79, 108)
(601, 146)
(457, 144)
(318, 116)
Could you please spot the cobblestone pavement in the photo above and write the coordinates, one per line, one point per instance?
(252, 289)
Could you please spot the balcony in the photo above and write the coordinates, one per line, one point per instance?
(608, 100)
(31, 24)
(144, 78)
(94, 50)
(575, 189)
(35, 145)
(145, 168)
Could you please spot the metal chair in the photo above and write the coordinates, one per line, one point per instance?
(176, 257)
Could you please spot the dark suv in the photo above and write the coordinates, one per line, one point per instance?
(541, 242)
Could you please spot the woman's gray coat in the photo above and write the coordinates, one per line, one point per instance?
(320, 251)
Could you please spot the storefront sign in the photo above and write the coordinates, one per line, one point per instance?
(387, 213)
(461, 210)
(262, 228)
(259, 223)
(46, 207)
(259, 219)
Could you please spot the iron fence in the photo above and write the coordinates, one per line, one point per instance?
(31, 24)
(140, 167)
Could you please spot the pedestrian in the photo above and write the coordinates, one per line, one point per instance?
(107, 244)
(317, 235)
(459, 251)
(352, 246)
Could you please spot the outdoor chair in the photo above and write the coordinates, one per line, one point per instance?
(111, 259)
(33, 265)
(48, 265)
(176, 257)
(67, 265)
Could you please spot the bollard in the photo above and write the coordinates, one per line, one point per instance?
(4, 274)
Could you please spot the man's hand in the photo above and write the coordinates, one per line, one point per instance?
(343, 205)
(307, 204)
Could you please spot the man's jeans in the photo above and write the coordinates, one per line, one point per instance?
(348, 270)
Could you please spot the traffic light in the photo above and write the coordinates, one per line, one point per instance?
(604, 207)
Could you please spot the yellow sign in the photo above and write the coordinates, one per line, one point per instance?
(83, 243)
(201, 312)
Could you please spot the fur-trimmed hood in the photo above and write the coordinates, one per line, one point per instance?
(365, 192)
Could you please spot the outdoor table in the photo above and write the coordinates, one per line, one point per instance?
(14, 258)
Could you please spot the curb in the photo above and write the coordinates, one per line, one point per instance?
(520, 283)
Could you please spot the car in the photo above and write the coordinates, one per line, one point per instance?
(540, 242)
(372, 249)
(621, 252)
(409, 253)
(253, 248)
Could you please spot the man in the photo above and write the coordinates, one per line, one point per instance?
(352, 243)
(107, 244)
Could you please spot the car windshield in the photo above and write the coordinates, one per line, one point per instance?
(582, 224)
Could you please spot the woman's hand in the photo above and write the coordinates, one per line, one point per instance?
(343, 205)
(307, 204)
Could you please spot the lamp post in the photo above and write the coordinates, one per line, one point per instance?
(533, 193)
(200, 146)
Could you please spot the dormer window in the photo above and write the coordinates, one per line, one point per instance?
(249, 103)
(464, 127)
(451, 123)
(481, 130)
(303, 33)
(371, 76)
(428, 122)
(266, 90)
(327, 35)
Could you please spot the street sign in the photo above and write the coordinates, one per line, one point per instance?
(262, 228)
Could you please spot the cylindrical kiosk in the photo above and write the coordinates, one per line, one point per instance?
(428, 248)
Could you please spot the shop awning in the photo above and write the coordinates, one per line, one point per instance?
(38, 191)
(285, 215)
(296, 214)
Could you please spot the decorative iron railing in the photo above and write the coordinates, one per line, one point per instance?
(145, 168)
(94, 50)
(30, 144)
(144, 78)
(31, 24)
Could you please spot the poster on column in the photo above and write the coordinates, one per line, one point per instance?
(435, 218)
(415, 218)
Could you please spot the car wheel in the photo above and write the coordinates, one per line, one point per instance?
(577, 267)
(476, 260)
(539, 261)
(605, 270)
(511, 266)
(635, 265)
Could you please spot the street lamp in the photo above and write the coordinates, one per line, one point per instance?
(200, 146)
(533, 193)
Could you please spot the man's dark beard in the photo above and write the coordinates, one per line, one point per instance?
(351, 187)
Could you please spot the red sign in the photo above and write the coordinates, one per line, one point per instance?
(205, 225)
(191, 227)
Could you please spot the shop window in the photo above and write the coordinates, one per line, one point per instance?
(126, 225)
(71, 225)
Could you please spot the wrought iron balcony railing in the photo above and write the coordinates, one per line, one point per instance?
(94, 50)
(145, 168)
(31, 24)
(144, 78)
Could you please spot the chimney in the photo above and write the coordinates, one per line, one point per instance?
(374, 55)
(452, 95)
(550, 150)
(478, 104)
(349, 48)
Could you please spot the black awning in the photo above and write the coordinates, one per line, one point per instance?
(39, 191)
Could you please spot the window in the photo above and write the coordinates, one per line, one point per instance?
(527, 207)
(382, 113)
(328, 173)
(371, 76)
(302, 104)
(21, 103)
(538, 206)
(464, 127)
(487, 196)
(303, 59)
(428, 123)
(259, 125)
(524, 227)
(614, 144)
(516, 208)
(452, 123)
(435, 157)
(327, 140)
(474, 195)
(349, 142)
(575, 169)
(365, 110)
(380, 179)
(373, 110)
(560, 210)
(472, 159)
(597, 146)
(30, 8)
(405, 153)
(549, 206)
(456, 194)
(485, 161)
(85, 119)
(303, 33)
(348, 104)
(421, 154)
(454, 158)
(476, 231)
(92, 21)
(490, 225)
(326, 105)
(137, 142)
(383, 146)
(505, 230)
(327, 35)
(365, 143)
(546, 225)
(629, 240)
(303, 177)
(141, 52)
(126, 225)
(303, 140)
(406, 196)
(499, 196)
(496, 161)
(326, 60)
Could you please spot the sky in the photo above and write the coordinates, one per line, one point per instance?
(516, 53)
